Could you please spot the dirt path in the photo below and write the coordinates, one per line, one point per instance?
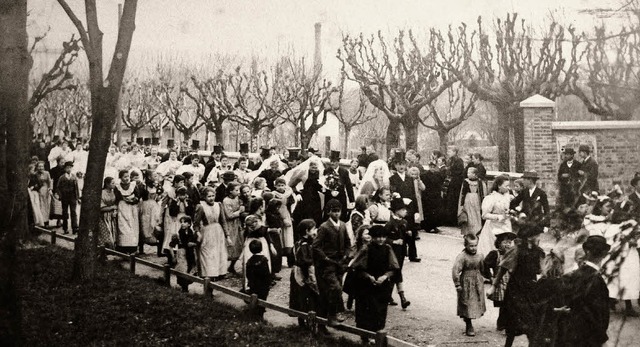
(431, 319)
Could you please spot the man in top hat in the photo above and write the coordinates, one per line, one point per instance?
(568, 180)
(588, 170)
(587, 298)
(244, 152)
(343, 189)
(140, 141)
(155, 141)
(400, 182)
(363, 158)
(193, 152)
(534, 200)
(293, 159)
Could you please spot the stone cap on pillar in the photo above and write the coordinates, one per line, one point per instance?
(537, 101)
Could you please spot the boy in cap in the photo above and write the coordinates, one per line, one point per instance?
(68, 192)
(258, 275)
(587, 298)
(330, 248)
(405, 185)
(398, 236)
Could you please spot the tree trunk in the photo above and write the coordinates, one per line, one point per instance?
(305, 140)
(517, 122)
(503, 141)
(443, 137)
(219, 134)
(345, 143)
(133, 135)
(393, 134)
(15, 63)
(411, 125)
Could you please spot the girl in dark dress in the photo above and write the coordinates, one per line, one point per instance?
(374, 266)
(523, 263)
(311, 205)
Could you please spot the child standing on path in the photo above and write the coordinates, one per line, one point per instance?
(467, 277)
(258, 275)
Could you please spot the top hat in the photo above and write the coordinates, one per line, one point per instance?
(335, 156)
(56, 138)
(155, 141)
(533, 175)
(584, 148)
(195, 144)
(244, 148)
(264, 151)
(377, 231)
(294, 153)
(569, 150)
(596, 244)
(217, 149)
(147, 141)
(73, 135)
(171, 143)
(139, 140)
(397, 204)
(399, 157)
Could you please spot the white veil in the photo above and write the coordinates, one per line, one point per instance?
(299, 174)
(372, 182)
(266, 164)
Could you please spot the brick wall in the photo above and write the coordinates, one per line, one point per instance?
(616, 145)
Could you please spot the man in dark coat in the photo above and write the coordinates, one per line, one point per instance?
(568, 180)
(271, 174)
(588, 171)
(634, 197)
(534, 200)
(330, 248)
(404, 185)
(244, 152)
(221, 190)
(432, 198)
(588, 298)
(455, 177)
(363, 158)
(214, 161)
(343, 189)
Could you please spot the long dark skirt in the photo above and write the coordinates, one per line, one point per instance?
(302, 298)
(519, 308)
(400, 252)
(371, 306)
(276, 241)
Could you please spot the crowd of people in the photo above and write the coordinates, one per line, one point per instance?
(350, 229)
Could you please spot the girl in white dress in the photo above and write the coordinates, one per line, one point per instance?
(495, 212)
(379, 211)
(212, 250)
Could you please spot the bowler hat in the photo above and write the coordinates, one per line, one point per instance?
(569, 150)
(335, 156)
(530, 175)
(584, 148)
(244, 148)
(596, 244)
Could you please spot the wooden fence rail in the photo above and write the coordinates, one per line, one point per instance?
(381, 338)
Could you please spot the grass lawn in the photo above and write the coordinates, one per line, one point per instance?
(121, 309)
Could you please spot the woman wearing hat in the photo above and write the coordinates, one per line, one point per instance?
(495, 212)
(523, 263)
(374, 267)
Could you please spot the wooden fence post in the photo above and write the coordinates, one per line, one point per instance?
(312, 322)
(208, 290)
(54, 235)
(381, 339)
(253, 303)
(167, 275)
(132, 263)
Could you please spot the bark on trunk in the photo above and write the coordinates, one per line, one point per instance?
(411, 124)
(305, 140)
(219, 135)
(503, 141)
(345, 143)
(15, 63)
(393, 134)
(443, 137)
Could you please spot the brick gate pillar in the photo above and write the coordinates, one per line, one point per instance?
(539, 144)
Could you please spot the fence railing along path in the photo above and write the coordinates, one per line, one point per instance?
(381, 338)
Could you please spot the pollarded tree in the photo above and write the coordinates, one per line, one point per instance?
(79, 116)
(173, 101)
(140, 106)
(304, 98)
(612, 86)
(449, 111)
(214, 102)
(353, 110)
(510, 67)
(399, 79)
(257, 107)
(104, 103)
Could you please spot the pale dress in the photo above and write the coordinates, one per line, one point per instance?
(467, 273)
(493, 205)
(212, 252)
(232, 226)
(472, 208)
(128, 218)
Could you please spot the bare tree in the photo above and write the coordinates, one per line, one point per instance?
(79, 115)
(214, 102)
(304, 97)
(104, 103)
(511, 67)
(612, 86)
(181, 114)
(399, 79)
(256, 103)
(449, 111)
(140, 108)
(349, 112)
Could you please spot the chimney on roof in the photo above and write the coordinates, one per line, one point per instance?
(317, 61)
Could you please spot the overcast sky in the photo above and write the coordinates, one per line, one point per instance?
(189, 30)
